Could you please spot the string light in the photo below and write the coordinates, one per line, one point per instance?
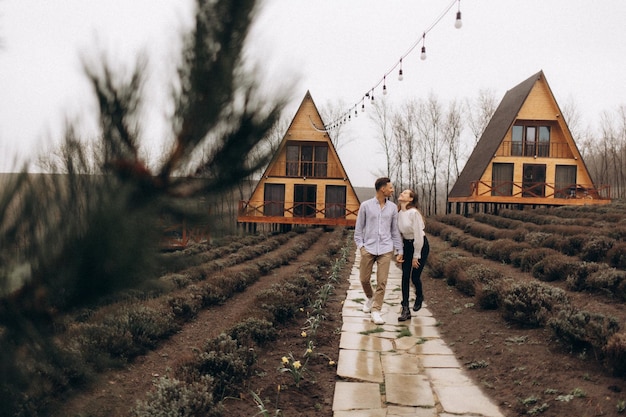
(370, 93)
(458, 23)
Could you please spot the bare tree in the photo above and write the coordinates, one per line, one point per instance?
(333, 112)
(402, 146)
(480, 112)
(452, 134)
(381, 115)
(430, 127)
(572, 117)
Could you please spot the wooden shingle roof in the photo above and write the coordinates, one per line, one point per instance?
(494, 133)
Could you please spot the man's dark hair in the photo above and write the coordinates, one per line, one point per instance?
(381, 182)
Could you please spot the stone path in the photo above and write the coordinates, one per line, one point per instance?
(399, 368)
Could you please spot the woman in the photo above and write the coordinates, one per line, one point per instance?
(411, 225)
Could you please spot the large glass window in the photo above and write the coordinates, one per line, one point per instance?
(307, 160)
(274, 196)
(565, 181)
(543, 146)
(501, 179)
(335, 201)
(529, 140)
(518, 140)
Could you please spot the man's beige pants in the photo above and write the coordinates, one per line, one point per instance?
(382, 272)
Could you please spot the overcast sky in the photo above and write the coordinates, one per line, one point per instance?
(337, 49)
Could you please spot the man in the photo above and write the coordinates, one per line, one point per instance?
(377, 236)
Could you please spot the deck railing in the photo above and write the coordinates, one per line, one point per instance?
(540, 150)
(297, 212)
(540, 190)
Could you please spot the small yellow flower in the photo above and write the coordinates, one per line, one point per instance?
(285, 360)
(303, 334)
(297, 365)
(309, 351)
(301, 308)
(331, 363)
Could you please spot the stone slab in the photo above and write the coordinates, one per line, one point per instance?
(359, 365)
(357, 396)
(409, 390)
(439, 361)
(364, 342)
(399, 411)
(400, 363)
(466, 400)
(432, 347)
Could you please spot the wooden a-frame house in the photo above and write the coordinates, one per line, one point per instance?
(525, 157)
(305, 183)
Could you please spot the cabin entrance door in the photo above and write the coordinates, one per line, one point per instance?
(304, 198)
(534, 181)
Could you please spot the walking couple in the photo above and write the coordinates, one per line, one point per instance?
(383, 230)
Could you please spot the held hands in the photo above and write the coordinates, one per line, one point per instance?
(400, 260)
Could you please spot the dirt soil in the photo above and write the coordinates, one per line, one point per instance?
(523, 370)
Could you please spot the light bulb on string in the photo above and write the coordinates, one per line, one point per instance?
(372, 95)
(363, 107)
(384, 85)
(423, 54)
(400, 76)
(458, 23)
(356, 113)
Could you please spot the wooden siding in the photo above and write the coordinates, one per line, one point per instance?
(536, 108)
(303, 131)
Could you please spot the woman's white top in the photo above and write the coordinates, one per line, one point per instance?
(411, 225)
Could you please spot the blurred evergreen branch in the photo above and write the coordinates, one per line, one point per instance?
(69, 239)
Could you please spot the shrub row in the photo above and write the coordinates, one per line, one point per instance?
(95, 339)
(222, 367)
(103, 338)
(569, 240)
(545, 263)
(535, 304)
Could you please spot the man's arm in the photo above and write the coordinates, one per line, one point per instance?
(359, 227)
(396, 237)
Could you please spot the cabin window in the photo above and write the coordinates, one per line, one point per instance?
(565, 181)
(307, 160)
(530, 141)
(501, 179)
(517, 137)
(335, 201)
(274, 200)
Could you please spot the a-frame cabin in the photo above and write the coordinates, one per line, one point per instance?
(525, 157)
(305, 183)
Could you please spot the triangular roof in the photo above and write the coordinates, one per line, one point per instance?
(307, 120)
(500, 123)
(315, 120)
